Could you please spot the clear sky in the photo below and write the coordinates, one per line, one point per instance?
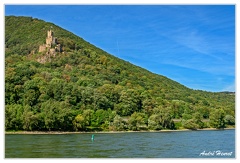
(191, 44)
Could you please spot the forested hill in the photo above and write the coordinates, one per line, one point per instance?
(84, 88)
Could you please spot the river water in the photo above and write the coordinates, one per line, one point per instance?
(182, 144)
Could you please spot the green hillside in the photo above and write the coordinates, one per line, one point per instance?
(84, 88)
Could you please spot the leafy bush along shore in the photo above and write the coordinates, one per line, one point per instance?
(87, 89)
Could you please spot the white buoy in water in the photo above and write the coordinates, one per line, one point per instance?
(92, 137)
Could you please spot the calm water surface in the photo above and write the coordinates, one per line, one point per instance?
(185, 144)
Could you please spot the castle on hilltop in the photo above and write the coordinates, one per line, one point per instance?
(50, 48)
(51, 45)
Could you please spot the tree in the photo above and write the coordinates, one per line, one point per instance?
(14, 117)
(162, 118)
(79, 123)
(32, 91)
(130, 102)
(217, 118)
(49, 112)
(177, 108)
(88, 116)
(87, 96)
(148, 105)
(197, 119)
(190, 124)
(99, 117)
(30, 120)
(57, 115)
(187, 114)
(55, 89)
(136, 121)
(154, 122)
(229, 120)
(118, 123)
(192, 121)
(65, 116)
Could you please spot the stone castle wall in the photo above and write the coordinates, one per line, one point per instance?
(47, 48)
(50, 40)
(42, 48)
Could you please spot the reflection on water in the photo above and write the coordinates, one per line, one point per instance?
(187, 144)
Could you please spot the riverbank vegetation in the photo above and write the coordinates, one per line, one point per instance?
(86, 89)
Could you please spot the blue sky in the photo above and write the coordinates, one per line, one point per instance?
(191, 44)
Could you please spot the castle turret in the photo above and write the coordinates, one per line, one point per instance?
(50, 40)
(51, 46)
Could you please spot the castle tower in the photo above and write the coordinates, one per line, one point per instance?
(50, 33)
(50, 39)
(51, 45)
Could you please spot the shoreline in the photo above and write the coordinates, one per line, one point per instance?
(102, 132)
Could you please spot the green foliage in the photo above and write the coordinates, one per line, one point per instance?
(189, 124)
(191, 120)
(30, 120)
(217, 118)
(14, 117)
(136, 121)
(161, 119)
(229, 120)
(154, 122)
(118, 123)
(178, 125)
(79, 122)
(197, 119)
(86, 88)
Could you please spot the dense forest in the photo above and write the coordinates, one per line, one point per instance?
(83, 88)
